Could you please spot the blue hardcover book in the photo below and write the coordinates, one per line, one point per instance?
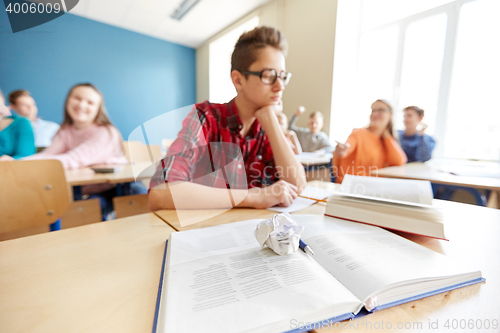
(219, 279)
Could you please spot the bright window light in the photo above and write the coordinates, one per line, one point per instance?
(473, 123)
(421, 68)
(440, 55)
(376, 13)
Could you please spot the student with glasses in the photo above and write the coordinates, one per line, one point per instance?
(235, 154)
(371, 148)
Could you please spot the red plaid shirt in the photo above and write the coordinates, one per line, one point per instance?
(209, 150)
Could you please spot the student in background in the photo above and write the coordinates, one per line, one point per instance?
(87, 137)
(311, 138)
(291, 136)
(371, 148)
(24, 105)
(416, 144)
(268, 174)
(16, 135)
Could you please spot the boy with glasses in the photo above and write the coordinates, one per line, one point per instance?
(237, 149)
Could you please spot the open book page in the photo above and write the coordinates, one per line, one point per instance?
(416, 191)
(220, 280)
(369, 259)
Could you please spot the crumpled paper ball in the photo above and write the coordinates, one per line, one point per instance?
(280, 233)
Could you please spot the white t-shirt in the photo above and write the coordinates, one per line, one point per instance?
(44, 132)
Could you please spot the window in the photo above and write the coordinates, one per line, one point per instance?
(440, 55)
(473, 121)
(219, 71)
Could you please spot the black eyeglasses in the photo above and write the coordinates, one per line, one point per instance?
(269, 76)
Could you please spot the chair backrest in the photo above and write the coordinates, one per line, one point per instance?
(82, 212)
(131, 149)
(135, 151)
(155, 151)
(166, 143)
(32, 193)
(130, 205)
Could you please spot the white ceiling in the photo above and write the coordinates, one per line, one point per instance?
(152, 17)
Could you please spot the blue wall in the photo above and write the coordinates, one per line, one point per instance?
(141, 77)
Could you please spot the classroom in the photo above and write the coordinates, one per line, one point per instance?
(249, 165)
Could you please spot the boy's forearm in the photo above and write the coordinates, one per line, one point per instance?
(187, 195)
(290, 169)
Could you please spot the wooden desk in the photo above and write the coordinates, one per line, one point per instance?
(310, 159)
(101, 277)
(87, 176)
(422, 171)
(84, 176)
(317, 167)
(473, 232)
(104, 277)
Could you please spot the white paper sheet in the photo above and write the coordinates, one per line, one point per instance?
(297, 204)
(315, 193)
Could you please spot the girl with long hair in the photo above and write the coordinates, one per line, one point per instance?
(371, 148)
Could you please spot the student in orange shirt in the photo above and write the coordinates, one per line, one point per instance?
(370, 148)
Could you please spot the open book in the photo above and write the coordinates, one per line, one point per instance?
(398, 204)
(218, 279)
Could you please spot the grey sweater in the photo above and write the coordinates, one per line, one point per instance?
(310, 141)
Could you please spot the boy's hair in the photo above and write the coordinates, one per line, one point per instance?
(418, 110)
(316, 114)
(13, 96)
(245, 50)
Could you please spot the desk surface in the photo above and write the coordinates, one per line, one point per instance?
(473, 232)
(104, 277)
(101, 277)
(422, 171)
(87, 176)
(308, 159)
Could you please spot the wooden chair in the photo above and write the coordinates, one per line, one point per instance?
(130, 205)
(166, 143)
(32, 194)
(81, 212)
(155, 151)
(135, 151)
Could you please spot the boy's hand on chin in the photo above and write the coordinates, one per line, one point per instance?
(268, 111)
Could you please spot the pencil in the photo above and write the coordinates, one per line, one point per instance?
(317, 200)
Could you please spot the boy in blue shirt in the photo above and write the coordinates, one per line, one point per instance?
(416, 144)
